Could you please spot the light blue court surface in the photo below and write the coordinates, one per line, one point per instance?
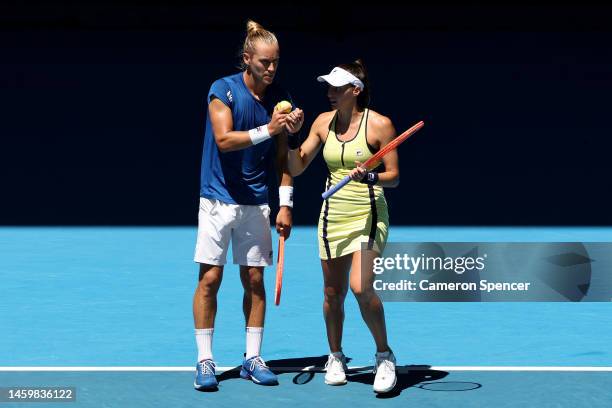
(122, 297)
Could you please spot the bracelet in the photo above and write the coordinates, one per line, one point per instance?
(285, 195)
(370, 178)
(259, 134)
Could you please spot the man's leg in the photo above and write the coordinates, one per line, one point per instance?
(252, 250)
(214, 232)
(205, 308)
(204, 312)
(254, 307)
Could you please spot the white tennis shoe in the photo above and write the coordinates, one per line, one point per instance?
(335, 370)
(385, 378)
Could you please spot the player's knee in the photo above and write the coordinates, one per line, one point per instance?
(334, 296)
(256, 283)
(362, 293)
(210, 283)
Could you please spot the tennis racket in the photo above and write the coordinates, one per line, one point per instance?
(280, 261)
(379, 155)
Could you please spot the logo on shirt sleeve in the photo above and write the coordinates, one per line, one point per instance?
(229, 96)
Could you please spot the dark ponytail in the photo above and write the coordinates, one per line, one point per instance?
(358, 69)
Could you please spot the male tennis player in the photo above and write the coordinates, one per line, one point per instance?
(243, 136)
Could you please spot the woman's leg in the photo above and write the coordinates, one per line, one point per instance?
(361, 279)
(335, 279)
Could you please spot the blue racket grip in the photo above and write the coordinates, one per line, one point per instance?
(335, 188)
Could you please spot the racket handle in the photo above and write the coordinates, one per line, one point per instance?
(335, 188)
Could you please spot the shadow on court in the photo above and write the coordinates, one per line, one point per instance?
(421, 376)
(287, 365)
(407, 377)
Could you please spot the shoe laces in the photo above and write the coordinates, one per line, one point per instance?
(386, 364)
(331, 359)
(257, 362)
(207, 366)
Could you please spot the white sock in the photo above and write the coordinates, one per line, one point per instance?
(254, 335)
(338, 354)
(204, 341)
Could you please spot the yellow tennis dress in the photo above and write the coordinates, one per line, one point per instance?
(357, 213)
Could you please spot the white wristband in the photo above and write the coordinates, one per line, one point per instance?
(285, 195)
(259, 134)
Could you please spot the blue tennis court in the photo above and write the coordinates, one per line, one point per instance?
(121, 297)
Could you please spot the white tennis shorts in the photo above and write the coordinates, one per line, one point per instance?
(248, 227)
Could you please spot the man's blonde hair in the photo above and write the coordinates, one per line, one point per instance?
(255, 32)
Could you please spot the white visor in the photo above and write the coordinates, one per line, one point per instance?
(341, 77)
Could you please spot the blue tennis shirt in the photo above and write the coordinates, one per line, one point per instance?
(241, 176)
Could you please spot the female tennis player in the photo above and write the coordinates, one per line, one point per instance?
(356, 215)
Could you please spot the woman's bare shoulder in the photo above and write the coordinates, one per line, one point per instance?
(379, 121)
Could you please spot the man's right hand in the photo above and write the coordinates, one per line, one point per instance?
(277, 124)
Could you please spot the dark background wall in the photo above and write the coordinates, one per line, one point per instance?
(102, 107)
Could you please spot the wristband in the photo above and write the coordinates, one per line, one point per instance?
(259, 134)
(285, 195)
(293, 141)
(370, 178)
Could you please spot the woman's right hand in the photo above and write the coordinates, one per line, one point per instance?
(359, 172)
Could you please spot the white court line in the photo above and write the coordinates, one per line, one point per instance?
(314, 369)
(519, 368)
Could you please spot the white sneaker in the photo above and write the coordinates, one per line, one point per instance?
(335, 368)
(385, 378)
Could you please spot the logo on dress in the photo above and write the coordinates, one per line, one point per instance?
(359, 152)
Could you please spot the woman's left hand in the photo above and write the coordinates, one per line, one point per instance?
(294, 121)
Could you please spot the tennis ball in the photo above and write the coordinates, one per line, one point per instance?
(283, 107)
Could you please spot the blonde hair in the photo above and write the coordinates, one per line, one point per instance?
(256, 32)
